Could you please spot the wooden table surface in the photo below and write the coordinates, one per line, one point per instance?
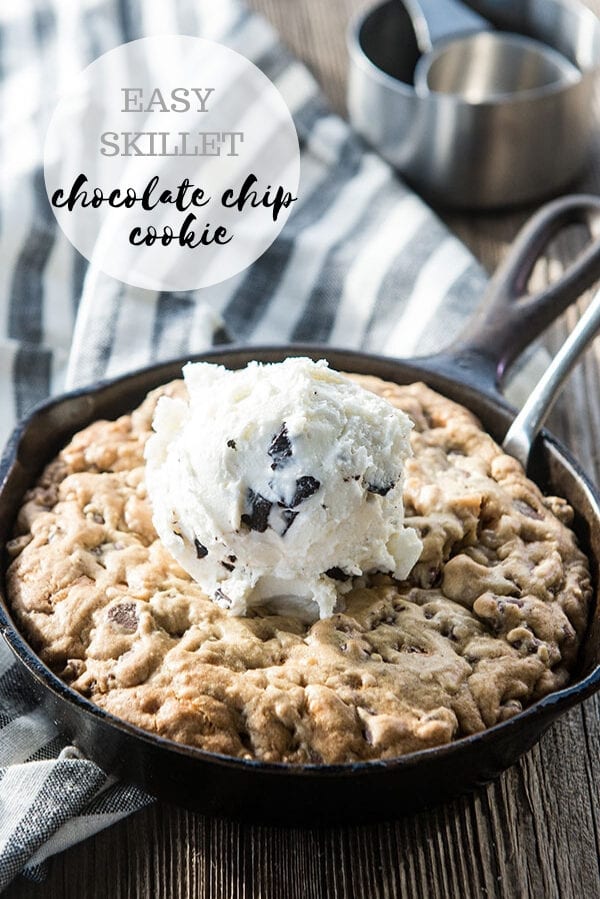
(534, 832)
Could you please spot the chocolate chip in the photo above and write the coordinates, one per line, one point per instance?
(228, 566)
(124, 616)
(246, 741)
(222, 599)
(289, 517)
(231, 444)
(367, 736)
(305, 486)
(381, 489)
(527, 510)
(513, 601)
(201, 550)
(337, 574)
(232, 558)
(433, 578)
(73, 669)
(260, 508)
(98, 553)
(280, 449)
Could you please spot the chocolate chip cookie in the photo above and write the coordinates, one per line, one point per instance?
(489, 620)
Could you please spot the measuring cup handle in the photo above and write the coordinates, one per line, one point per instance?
(510, 318)
(434, 20)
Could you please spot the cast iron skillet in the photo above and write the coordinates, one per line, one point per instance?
(468, 372)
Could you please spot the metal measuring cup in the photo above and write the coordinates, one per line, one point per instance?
(505, 148)
(462, 54)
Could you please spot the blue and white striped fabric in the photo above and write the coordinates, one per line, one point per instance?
(362, 262)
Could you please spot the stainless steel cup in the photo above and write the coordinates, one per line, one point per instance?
(502, 151)
(493, 66)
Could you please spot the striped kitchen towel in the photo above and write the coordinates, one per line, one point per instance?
(362, 262)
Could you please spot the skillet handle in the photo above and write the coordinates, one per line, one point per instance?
(524, 429)
(510, 317)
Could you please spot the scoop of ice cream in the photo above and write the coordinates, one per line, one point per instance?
(278, 484)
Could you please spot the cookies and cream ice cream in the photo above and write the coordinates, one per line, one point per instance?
(278, 484)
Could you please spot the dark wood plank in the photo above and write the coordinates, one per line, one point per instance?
(535, 832)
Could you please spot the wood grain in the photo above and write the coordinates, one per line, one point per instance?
(533, 833)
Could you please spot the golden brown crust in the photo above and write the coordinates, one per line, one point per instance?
(490, 619)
